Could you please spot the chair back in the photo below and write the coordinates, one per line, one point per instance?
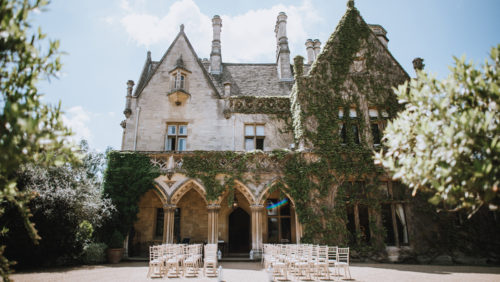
(343, 255)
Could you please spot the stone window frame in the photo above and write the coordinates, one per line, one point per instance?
(394, 203)
(279, 216)
(255, 137)
(356, 207)
(177, 135)
(353, 116)
(181, 77)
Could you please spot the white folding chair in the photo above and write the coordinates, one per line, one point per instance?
(343, 260)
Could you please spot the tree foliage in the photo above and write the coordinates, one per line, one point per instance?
(31, 132)
(448, 137)
(127, 177)
(67, 205)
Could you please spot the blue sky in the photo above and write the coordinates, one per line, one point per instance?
(106, 42)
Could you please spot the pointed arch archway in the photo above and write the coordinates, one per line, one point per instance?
(280, 223)
(243, 189)
(184, 188)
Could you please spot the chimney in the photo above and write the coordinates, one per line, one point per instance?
(283, 52)
(215, 55)
(317, 47)
(310, 51)
(380, 32)
(128, 110)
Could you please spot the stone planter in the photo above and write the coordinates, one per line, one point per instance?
(114, 255)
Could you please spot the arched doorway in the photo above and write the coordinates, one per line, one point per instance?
(239, 231)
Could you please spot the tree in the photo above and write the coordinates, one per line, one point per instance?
(31, 132)
(447, 139)
(68, 200)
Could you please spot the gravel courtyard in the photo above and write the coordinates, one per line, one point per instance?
(251, 272)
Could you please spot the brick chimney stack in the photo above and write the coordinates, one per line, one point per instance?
(282, 51)
(215, 55)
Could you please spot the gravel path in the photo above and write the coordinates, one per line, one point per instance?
(252, 272)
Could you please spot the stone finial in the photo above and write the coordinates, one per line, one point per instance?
(350, 4)
(418, 64)
(181, 27)
(149, 55)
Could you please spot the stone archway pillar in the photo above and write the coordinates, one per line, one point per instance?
(257, 217)
(168, 223)
(213, 223)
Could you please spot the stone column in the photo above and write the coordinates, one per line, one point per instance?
(213, 223)
(298, 227)
(168, 223)
(257, 217)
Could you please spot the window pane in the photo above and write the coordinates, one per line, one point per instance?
(343, 134)
(364, 223)
(259, 129)
(351, 226)
(269, 207)
(182, 129)
(385, 114)
(249, 144)
(259, 144)
(353, 113)
(249, 130)
(375, 134)
(285, 207)
(182, 82)
(286, 230)
(172, 129)
(159, 222)
(341, 113)
(182, 144)
(177, 225)
(272, 230)
(387, 222)
(373, 113)
(355, 134)
(171, 144)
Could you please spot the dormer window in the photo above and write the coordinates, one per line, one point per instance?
(179, 81)
(179, 86)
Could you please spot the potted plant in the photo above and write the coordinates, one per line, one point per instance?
(115, 250)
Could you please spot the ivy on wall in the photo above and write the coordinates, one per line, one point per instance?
(127, 177)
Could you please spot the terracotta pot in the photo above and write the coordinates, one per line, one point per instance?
(114, 255)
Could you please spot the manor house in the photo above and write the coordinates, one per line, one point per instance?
(335, 101)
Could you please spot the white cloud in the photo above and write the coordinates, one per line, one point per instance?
(78, 120)
(247, 37)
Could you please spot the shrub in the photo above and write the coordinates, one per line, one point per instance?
(94, 253)
(116, 240)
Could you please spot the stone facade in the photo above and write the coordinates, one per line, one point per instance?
(217, 103)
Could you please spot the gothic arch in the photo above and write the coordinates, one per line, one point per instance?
(184, 188)
(159, 190)
(243, 189)
(262, 196)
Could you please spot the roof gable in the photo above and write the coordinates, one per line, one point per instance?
(352, 52)
(148, 78)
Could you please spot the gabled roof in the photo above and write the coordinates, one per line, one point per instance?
(336, 44)
(147, 75)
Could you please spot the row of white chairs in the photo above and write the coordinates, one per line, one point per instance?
(176, 260)
(304, 261)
